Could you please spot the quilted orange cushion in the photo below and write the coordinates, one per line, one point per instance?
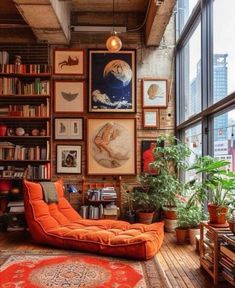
(61, 226)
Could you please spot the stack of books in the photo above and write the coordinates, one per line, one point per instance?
(227, 250)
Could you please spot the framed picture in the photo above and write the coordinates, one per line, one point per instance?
(69, 62)
(69, 96)
(154, 93)
(150, 118)
(111, 146)
(69, 128)
(112, 81)
(147, 156)
(69, 159)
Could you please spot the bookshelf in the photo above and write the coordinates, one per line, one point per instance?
(101, 199)
(210, 239)
(227, 257)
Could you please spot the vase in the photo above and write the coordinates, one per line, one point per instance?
(3, 129)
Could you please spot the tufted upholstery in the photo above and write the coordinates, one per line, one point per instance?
(61, 226)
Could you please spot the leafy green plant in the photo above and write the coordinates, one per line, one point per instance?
(218, 185)
(169, 159)
(189, 216)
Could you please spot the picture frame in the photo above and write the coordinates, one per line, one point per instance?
(147, 156)
(112, 81)
(111, 146)
(151, 118)
(154, 93)
(69, 96)
(69, 128)
(69, 159)
(69, 62)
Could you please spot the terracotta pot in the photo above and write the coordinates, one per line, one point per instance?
(170, 214)
(232, 226)
(181, 235)
(145, 217)
(217, 215)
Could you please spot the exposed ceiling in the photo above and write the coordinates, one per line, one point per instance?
(51, 20)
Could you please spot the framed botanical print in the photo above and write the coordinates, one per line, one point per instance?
(69, 159)
(112, 81)
(111, 146)
(69, 62)
(154, 93)
(69, 128)
(150, 118)
(69, 96)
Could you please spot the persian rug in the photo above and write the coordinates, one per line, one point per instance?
(35, 269)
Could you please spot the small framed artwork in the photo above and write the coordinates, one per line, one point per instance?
(147, 156)
(150, 118)
(154, 93)
(69, 96)
(69, 159)
(69, 62)
(69, 128)
(112, 81)
(111, 146)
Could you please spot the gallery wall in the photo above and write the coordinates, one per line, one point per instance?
(156, 63)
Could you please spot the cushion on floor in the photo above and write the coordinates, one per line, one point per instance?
(59, 225)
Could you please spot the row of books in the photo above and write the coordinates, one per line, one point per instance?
(39, 172)
(99, 212)
(24, 68)
(12, 172)
(104, 194)
(14, 86)
(41, 110)
(4, 58)
(10, 151)
(227, 261)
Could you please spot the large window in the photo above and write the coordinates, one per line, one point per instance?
(184, 10)
(192, 74)
(224, 138)
(205, 63)
(223, 48)
(193, 138)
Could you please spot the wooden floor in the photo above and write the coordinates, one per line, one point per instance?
(180, 263)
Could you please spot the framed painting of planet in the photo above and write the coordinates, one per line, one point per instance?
(154, 93)
(69, 96)
(111, 146)
(112, 81)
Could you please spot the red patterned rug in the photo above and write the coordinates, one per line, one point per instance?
(31, 270)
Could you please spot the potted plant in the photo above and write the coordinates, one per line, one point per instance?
(146, 201)
(231, 219)
(170, 156)
(182, 224)
(217, 187)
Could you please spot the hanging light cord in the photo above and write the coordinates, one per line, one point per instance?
(113, 17)
(145, 19)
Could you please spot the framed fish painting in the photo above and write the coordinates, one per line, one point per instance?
(69, 96)
(112, 81)
(69, 62)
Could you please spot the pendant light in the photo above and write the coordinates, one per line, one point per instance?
(113, 43)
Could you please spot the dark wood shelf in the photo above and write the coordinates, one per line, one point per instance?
(21, 118)
(28, 75)
(25, 137)
(17, 96)
(23, 161)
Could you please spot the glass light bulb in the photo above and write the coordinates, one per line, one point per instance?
(114, 43)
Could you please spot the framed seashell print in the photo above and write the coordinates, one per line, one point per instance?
(154, 93)
(111, 146)
(112, 81)
(69, 96)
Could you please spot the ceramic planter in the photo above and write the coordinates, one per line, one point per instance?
(193, 232)
(181, 235)
(232, 226)
(145, 217)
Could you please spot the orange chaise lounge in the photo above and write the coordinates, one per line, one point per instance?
(59, 225)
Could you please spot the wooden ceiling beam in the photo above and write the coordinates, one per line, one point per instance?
(158, 17)
(48, 19)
